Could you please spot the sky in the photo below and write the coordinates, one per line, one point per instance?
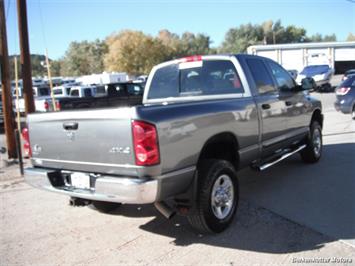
(53, 24)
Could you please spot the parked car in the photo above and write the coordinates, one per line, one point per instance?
(348, 73)
(321, 75)
(203, 118)
(345, 96)
(82, 91)
(116, 94)
(41, 95)
(63, 90)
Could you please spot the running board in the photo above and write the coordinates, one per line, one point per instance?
(283, 157)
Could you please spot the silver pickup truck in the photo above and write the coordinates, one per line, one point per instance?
(202, 119)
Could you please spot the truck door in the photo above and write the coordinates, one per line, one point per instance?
(271, 109)
(296, 102)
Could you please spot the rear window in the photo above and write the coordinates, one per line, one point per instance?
(209, 77)
(315, 70)
(44, 92)
(348, 82)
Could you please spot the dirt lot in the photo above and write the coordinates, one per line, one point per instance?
(40, 228)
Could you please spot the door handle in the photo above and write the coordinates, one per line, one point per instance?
(71, 126)
(288, 103)
(265, 106)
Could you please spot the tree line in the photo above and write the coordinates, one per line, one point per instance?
(136, 53)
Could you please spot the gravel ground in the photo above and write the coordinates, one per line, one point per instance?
(40, 228)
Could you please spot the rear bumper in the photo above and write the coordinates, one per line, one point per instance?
(104, 188)
(343, 105)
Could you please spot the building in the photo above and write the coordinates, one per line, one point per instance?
(295, 56)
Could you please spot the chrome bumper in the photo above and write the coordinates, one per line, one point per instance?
(106, 188)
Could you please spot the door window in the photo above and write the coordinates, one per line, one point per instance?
(283, 79)
(262, 78)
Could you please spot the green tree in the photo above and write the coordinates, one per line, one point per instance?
(188, 44)
(320, 38)
(238, 39)
(83, 58)
(192, 44)
(351, 37)
(38, 66)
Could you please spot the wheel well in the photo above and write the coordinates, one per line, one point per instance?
(223, 146)
(317, 116)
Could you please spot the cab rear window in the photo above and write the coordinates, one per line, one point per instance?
(211, 77)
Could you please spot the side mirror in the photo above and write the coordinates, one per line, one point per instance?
(308, 84)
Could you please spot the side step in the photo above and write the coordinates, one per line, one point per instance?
(265, 165)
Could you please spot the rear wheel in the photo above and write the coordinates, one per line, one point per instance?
(217, 197)
(105, 207)
(313, 150)
(353, 113)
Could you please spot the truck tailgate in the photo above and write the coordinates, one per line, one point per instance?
(98, 141)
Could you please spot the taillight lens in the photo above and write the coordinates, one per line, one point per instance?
(57, 106)
(26, 142)
(342, 90)
(145, 142)
(46, 106)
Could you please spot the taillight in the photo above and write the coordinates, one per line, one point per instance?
(145, 142)
(46, 106)
(26, 142)
(57, 106)
(342, 90)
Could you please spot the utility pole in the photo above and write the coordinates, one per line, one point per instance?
(25, 59)
(6, 87)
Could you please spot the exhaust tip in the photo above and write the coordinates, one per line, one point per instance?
(165, 209)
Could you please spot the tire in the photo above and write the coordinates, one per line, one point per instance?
(105, 207)
(353, 113)
(313, 151)
(214, 211)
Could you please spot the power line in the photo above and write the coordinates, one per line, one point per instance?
(42, 24)
(7, 9)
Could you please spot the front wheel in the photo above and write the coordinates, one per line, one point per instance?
(353, 113)
(313, 150)
(217, 197)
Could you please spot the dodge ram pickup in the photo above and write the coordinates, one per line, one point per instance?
(202, 119)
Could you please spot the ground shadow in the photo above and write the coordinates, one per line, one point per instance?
(291, 207)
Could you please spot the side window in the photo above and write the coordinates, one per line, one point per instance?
(165, 83)
(283, 78)
(263, 80)
(134, 89)
(74, 92)
(87, 93)
(213, 77)
(115, 90)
